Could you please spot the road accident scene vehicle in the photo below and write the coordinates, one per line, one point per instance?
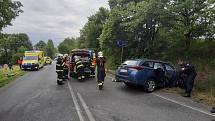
(33, 60)
(150, 74)
(48, 60)
(88, 59)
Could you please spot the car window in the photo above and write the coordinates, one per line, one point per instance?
(158, 65)
(148, 64)
(169, 67)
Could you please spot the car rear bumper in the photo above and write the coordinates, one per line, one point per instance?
(125, 79)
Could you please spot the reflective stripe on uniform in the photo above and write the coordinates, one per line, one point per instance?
(78, 62)
(80, 66)
(59, 70)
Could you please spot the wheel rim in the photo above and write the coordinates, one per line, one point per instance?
(151, 86)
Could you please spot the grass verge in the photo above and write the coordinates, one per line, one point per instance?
(6, 76)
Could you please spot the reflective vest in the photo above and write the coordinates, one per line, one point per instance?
(79, 64)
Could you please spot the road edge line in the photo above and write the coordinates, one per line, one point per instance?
(182, 104)
(86, 108)
(77, 107)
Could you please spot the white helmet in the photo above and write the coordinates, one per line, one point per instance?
(100, 54)
(60, 56)
(76, 58)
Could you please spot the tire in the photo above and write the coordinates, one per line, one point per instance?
(150, 86)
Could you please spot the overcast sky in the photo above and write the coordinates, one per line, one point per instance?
(54, 19)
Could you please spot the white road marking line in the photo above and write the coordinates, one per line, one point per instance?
(182, 104)
(86, 108)
(179, 103)
(77, 107)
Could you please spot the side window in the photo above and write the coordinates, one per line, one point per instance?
(158, 65)
(148, 64)
(169, 68)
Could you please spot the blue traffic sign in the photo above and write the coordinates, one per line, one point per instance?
(122, 43)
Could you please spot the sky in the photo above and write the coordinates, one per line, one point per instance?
(54, 19)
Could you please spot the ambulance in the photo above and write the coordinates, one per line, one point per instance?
(33, 60)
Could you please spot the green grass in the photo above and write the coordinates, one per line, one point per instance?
(6, 77)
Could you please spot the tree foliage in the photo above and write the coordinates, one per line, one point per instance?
(11, 44)
(93, 29)
(67, 45)
(153, 28)
(9, 10)
(41, 45)
(50, 49)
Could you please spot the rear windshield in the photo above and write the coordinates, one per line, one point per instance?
(131, 63)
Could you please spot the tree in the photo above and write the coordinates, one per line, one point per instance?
(67, 45)
(50, 50)
(9, 10)
(192, 18)
(41, 45)
(93, 28)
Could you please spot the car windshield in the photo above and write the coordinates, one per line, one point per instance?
(30, 58)
(130, 63)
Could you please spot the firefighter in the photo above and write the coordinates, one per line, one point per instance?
(190, 71)
(65, 67)
(79, 68)
(59, 70)
(100, 69)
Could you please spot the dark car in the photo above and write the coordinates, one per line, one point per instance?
(86, 56)
(147, 73)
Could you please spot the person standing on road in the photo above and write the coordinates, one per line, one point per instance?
(59, 70)
(79, 68)
(20, 62)
(65, 67)
(190, 71)
(100, 62)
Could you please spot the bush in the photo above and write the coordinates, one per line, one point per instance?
(16, 57)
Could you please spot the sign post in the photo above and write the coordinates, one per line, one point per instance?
(122, 44)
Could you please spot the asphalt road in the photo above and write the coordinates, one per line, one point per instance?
(36, 97)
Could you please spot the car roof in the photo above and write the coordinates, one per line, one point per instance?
(159, 61)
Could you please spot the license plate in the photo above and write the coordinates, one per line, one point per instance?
(123, 70)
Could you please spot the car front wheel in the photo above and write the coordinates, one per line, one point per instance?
(150, 85)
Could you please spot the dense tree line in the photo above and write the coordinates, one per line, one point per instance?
(164, 29)
(13, 46)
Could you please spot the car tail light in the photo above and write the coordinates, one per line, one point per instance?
(136, 67)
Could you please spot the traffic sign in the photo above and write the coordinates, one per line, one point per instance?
(122, 43)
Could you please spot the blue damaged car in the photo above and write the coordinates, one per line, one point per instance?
(147, 73)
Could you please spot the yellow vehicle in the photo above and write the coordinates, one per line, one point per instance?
(48, 60)
(33, 60)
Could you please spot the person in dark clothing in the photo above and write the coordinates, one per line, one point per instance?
(59, 70)
(65, 67)
(79, 68)
(20, 62)
(213, 110)
(189, 70)
(100, 62)
(10, 66)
